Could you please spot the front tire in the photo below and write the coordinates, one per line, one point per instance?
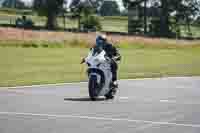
(93, 88)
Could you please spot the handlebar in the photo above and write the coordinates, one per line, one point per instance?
(83, 61)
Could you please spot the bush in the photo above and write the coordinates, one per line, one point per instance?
(135, 26)
(24, 22)
(77, 43)
(197, 21)
(91, 23)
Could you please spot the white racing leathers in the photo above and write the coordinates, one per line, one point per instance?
(99, 74)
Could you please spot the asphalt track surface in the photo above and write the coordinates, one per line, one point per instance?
(167, 105)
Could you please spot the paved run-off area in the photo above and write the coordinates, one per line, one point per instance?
(167, 105)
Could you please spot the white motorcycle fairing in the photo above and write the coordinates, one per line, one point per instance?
(99, 67)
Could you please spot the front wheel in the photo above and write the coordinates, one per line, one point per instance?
(93, 87)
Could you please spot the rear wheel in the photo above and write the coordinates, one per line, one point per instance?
(92, 88)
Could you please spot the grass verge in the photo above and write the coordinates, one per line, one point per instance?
(41, 65)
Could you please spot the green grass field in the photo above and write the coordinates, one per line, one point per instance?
(30, 66)
(29, 63)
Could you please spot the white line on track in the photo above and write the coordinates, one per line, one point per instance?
(74, 83)
(99, 118)
(43, 85)
(167, 101)
(150, 124)
(123, 98)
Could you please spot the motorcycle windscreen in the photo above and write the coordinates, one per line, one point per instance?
(95, 57)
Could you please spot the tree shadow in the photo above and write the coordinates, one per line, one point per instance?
(83, 99)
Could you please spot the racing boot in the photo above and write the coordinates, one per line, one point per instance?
(114, 87)
(115, 84)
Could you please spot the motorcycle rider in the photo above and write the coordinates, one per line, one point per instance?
(112, 53)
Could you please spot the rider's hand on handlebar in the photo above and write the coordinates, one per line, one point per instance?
(118, 58)
(82, 61)
(107, 58)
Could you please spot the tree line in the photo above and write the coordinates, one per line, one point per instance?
(84, 10)
(155, 17)
(166, 16)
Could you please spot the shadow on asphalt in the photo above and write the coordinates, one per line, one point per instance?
(83, 99)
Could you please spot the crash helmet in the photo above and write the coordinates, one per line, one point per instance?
(101, 40)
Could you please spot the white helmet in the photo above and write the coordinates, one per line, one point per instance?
(104, 37)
